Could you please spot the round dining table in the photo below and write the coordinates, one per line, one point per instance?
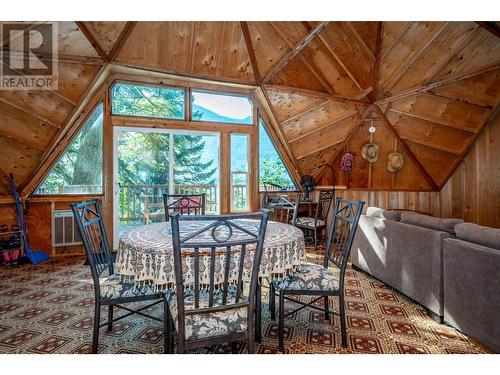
(145, 253)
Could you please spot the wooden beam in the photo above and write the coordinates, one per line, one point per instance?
(398, 38)
(405, 147)
(122, 38)
(353, 130)
(361, 40)
(250, 50)
(25, 111)
(490, 27)
(21, 141)
(218, 51)
(335, 56)
(434, 146)
(294, 50)
(314, 94)
(415, 57)
(438, 83)
(93, 40)
(61, 58)
(307, 110)
(376, 65)
(491, 117)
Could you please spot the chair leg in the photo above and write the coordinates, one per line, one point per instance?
(315, 238)
(272, 301)
(110, 318)
(172, 334)
(281, 322)
(166, 328)
(327, 310)
(342, 321)
(258, 314)
(97, 322)
(234, 347)
(250, 346)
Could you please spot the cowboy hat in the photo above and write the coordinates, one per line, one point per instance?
(369, 152)
(395, 161)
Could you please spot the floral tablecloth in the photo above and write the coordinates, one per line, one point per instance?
(145, 254)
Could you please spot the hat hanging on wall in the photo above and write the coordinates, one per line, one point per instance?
(347, 162)
(395, 161)
(369, 152)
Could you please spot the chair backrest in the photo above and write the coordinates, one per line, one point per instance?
(270, 186)
(283, 207)
(228, 237)
(324, 203)
(184, 204)
(341, 234)
(90, 224)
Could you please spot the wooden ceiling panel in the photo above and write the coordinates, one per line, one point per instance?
(443, 111)
(234, 61)
(205, 50)
(106, 33)
(159, 45)
(73, 79)
(287, 105)
(44, 105)
(415, 38)
(437, 53)
(24, 128)
(312, 164)
(392, 31)
(323, 138)
(481, 51)
(18, 159)
(297, 74)
(367, 32)
(320, 117)
(269, 47)
(350, 51)
(437, 163)
(481, 90)
(335, 77)
(431, 134)
(292, 32)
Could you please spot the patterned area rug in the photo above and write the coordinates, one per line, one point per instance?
(49, 309)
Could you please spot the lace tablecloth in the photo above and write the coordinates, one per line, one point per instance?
(145, 254)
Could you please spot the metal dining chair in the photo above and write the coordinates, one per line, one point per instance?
(283, 207)
(319, 221)
(314, 280)
(184, 204)
(109, 289)
(217, 311)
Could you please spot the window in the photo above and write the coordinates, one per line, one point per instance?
(79, 171)
(147, 101)
(216, 107)
(239, 172)
(273, 174)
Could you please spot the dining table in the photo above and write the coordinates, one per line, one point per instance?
(145, 255)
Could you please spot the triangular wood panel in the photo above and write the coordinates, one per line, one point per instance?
(106, 33)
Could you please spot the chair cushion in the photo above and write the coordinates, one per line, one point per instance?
(113, 287)
(310, 222)
(200, 326)
(309, 276)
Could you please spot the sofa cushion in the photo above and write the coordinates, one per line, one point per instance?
(383, 214)
(489, 237)
(425, 221)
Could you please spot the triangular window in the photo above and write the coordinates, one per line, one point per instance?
(79, 170)
(273, 173)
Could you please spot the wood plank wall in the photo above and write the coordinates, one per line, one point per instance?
(472, 193)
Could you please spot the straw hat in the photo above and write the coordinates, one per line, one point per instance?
(395, 161)
(369, 152)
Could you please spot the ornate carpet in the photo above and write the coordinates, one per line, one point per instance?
(49, 309)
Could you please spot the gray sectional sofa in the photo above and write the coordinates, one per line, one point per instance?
(450, 267)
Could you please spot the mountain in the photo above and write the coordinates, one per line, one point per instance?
(208, 115)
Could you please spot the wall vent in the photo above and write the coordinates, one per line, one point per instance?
(64, 229)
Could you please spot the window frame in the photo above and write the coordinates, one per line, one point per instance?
(248, 174)
(101, 101)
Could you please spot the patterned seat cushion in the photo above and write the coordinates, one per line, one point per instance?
(309, 222)
(199, 326)
(309, 276)
(113, 287)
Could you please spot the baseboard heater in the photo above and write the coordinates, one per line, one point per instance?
(64, 229)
